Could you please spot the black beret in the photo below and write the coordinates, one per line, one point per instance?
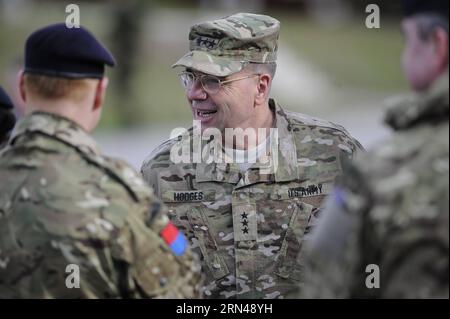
(413, 7)
(62, 52)
(7, 118)
(5, 101)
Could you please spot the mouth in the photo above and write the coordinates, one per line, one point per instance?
(205, 113)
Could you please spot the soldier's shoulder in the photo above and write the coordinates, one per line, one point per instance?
(80, 169)
(162, 150)
(122, 173)
(419, 147)
(411, 165)
(322, 131)
(161, 154)
(296, 118)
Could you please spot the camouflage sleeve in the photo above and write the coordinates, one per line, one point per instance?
(333, 265)
(348, 150)
(413, 254)
(330, 254)
(153, 253)
(410, 258)
(183, 278)
(415, 263)
(124, 245)
(118, 254)
(159, 261)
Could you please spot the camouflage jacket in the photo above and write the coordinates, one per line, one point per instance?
(249, 227)
(385, 232)
(76, 224)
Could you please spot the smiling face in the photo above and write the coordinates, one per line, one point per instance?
(233, 106)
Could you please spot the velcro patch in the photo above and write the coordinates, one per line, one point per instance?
(175, 239)
(309, 190)
(188, 196)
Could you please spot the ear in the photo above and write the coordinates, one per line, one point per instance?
(263, 88)
(441, 48)
(21, 84)
(100, 93)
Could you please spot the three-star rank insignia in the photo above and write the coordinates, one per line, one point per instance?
(244, 222)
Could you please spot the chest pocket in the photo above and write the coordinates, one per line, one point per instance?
(289, 259)
(208, 245)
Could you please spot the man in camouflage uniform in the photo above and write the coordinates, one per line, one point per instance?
(7, 118)
(74, 223)
(385, 233)
(246, 219)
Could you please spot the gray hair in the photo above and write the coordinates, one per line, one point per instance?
(260, 68)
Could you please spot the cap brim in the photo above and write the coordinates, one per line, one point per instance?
(210, 64)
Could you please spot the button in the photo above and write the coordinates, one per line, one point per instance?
(163, 281)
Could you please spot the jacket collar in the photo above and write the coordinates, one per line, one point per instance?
(281, 166)
(59, 128)
(406, 111)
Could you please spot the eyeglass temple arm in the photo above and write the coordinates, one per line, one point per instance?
(242, 78)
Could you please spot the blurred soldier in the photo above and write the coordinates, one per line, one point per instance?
(74, 223)
(385, 232)
(247, 217)
(126, 29)
(7, 118)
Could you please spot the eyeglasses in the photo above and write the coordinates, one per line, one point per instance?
(210, 83)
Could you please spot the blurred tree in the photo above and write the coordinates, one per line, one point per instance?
(125, 19)
(126, 32)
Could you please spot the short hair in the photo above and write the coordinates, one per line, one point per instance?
(260, 68)
(49, 87)
(428, 23)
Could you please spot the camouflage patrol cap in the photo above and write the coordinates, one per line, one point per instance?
(225, 46)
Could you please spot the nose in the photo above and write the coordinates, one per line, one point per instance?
(196, 92)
